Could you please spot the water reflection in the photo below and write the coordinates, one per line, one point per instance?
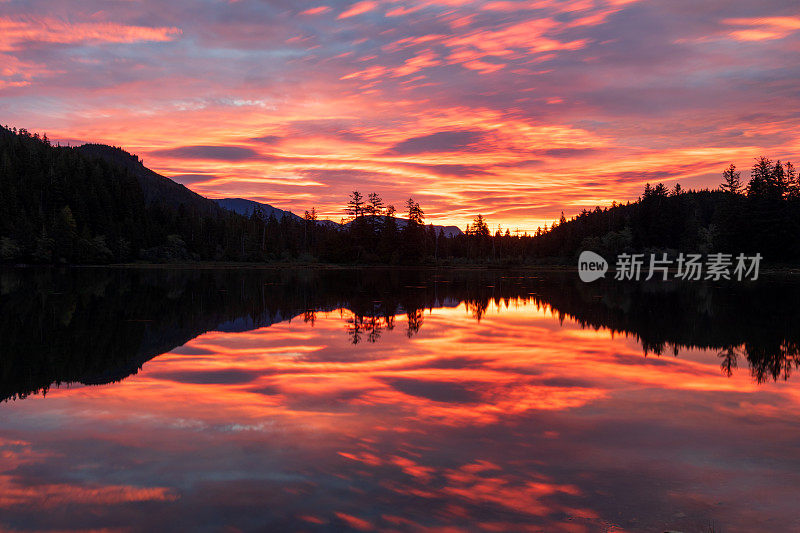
(394, 400)
(97, 326)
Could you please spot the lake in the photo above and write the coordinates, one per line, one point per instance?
(169, 399)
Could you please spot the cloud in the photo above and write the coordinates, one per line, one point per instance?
(564, 152)
(358, 8)
(188, 179)
(221, 153)
(438, 391)
(443, 169)
(501, 107)
(346, 130)
(14, 33)
(315, 10)
(443, 141)
(228, 376)
(267, 139)
(764, 28)
(329, 175)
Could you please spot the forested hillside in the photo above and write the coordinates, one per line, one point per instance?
(70, 205)
(762, 215)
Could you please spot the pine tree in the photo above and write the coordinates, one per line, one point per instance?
(793, 181)
(479, 227)
(760, 185)
(355, 205)
(374, 209)
(416, 216)
(778, 180)
(731, 180)
(375, 204)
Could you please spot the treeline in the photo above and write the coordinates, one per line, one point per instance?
(762, 215)
(67, 205)
(70, 205)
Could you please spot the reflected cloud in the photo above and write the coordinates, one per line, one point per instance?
(520, 400)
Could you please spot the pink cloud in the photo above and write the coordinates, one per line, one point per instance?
(482, 66)
(15, 32)
(763, 28)
(579, 107)
(358, 9)
(316, 10)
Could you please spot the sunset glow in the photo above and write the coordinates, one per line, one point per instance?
(516, 110)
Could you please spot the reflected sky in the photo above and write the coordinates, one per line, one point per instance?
(519, 420)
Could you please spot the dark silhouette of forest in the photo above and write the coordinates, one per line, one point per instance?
(760, 216)
(94, 326)
(96, 204)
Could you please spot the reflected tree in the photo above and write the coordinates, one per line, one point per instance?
(99, 326)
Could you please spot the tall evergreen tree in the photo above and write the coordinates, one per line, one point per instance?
(355, 205)
(731, 180)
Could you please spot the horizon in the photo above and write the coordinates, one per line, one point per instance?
(515, 111)
(345, 218)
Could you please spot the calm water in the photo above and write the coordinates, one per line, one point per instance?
(167, 399)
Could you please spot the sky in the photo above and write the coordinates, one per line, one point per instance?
(517, 110)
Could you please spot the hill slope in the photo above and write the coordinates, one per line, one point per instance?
(156, 188)
(100, 204)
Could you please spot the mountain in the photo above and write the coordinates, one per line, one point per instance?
(246, 207)
(449, 231)
(156, 188)
(98, 204)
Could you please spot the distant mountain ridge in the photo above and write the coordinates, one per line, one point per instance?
(246, 207)
(449, 231)
(159, 189)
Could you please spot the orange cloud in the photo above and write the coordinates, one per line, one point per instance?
(417, 63)
(15, 32)
(358, 8)
(53, 495)
(573, 113)
(764, 28)
(355, 522)
(483, 67)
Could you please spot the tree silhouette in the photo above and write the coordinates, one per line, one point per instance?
(764, 180)
(416, 216)
(91, 205)
(375, 210)
(479, 227)
(792, 181)
(732, 180)
(355, 205)
(100, 325)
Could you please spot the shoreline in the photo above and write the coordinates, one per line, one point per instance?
(233, 265)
